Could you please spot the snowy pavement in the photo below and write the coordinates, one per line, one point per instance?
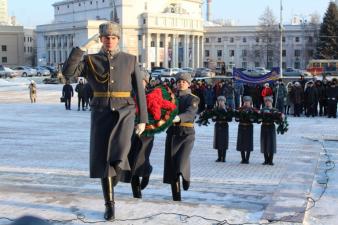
(44, 172)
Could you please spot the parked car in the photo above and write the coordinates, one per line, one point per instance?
(7, 72)
(295, 72)
(255, 72)
(187, 69)
(170, 72)
(157, 73)
(203, 72)
(42, 71)
(25, 71)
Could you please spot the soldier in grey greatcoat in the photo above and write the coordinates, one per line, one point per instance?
(221, 130)
(268, 133)
(113, 76)
(180, 138)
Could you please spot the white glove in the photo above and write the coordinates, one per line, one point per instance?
(140, 128)
(176, 119)
(91, 41)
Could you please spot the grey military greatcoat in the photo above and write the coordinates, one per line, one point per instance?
(180, 139)
(114, 78)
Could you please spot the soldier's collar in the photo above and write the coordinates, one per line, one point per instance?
(110, 53)
(185, 92)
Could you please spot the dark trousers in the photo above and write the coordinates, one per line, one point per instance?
(322, 108)
(297, 109)
(332, 108)
(67, 103)
(81, 101)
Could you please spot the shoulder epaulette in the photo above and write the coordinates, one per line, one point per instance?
(193, 95)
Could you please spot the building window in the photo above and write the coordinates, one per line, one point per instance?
(257, 39)
(283, 39)
(24, 39)
(206, 40)
(102, 0)
(244, 52)
(297, 65)
(270, 40)
(244, 40)
(270, 53)
(284, 53)
(219, 40)
(297, 53)
(232, 40)
(4, 59)
(257, 64)
(257, 53)
(68, 6)
(219, 53)
(284, 65)
(79, 3)
(58, 8)
(91, 2)
(152, 44)
(310, 39)
(4, 48)
(244, 65)
(24, 49)
(206, 53)
(144, 21)
(139, 37)
(161, 44)
(297, 39)
(232, 53)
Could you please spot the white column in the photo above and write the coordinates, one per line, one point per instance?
(165, 58)
(174, 51)
(146, 50)
(201, 51)
(177, 50)
(198, 56)
(185, 51)
(193, 55)
(157, 47)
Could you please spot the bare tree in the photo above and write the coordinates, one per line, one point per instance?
(268, 39)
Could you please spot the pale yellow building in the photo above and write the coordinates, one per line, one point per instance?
(12, 45)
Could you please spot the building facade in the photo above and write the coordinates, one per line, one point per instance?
(4, 19)
(243, 46)
(12, 45)
(165, 33)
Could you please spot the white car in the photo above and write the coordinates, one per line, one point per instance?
(25, 71)
(7, 72)
(187, 69)
(42, 71)
(170, 72)
(157, 73)
(255, 72)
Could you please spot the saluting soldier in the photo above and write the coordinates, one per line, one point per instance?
(245, 130)
(221, 130)
(268, 133)
(113, 76)
(180, 138)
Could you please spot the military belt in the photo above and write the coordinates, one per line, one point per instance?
(267, 124)
(245, 124)
(112, 94)
(185, 125)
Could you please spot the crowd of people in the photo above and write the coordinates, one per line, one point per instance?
(300, 97)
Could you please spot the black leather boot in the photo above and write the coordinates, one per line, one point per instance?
(223, 155)
(271, 159)
(176, 190)
(108, 194)
(219, 155)
(247, 157)
(185, 184)
(135, 186)
(243, 157)
(266, 159)
(144, 182)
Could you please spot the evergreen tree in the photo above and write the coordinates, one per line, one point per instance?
(327, 47)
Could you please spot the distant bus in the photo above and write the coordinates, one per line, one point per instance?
(323, 66)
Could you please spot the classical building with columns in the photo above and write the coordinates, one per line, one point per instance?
(166, 33)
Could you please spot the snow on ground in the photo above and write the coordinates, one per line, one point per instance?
(44, 171)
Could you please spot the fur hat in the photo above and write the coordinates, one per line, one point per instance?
(247, 99)
(110, 29)
(184, 76)
(221, 98)
(268, 98)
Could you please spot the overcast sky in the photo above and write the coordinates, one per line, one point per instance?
(243, 12)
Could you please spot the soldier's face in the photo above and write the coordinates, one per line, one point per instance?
(110, 42)
(182, 85)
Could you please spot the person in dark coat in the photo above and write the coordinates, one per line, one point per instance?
(80, 89)
(221, 130)
(332, 97)
(280, 94)
(139, 156)
(245, 130)
(180, 138)
(268, 133)
(310, 99)
(209, 97)
(88, 94)
(297, 97)
(321, 88)
(114, 77)
(67, 94)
